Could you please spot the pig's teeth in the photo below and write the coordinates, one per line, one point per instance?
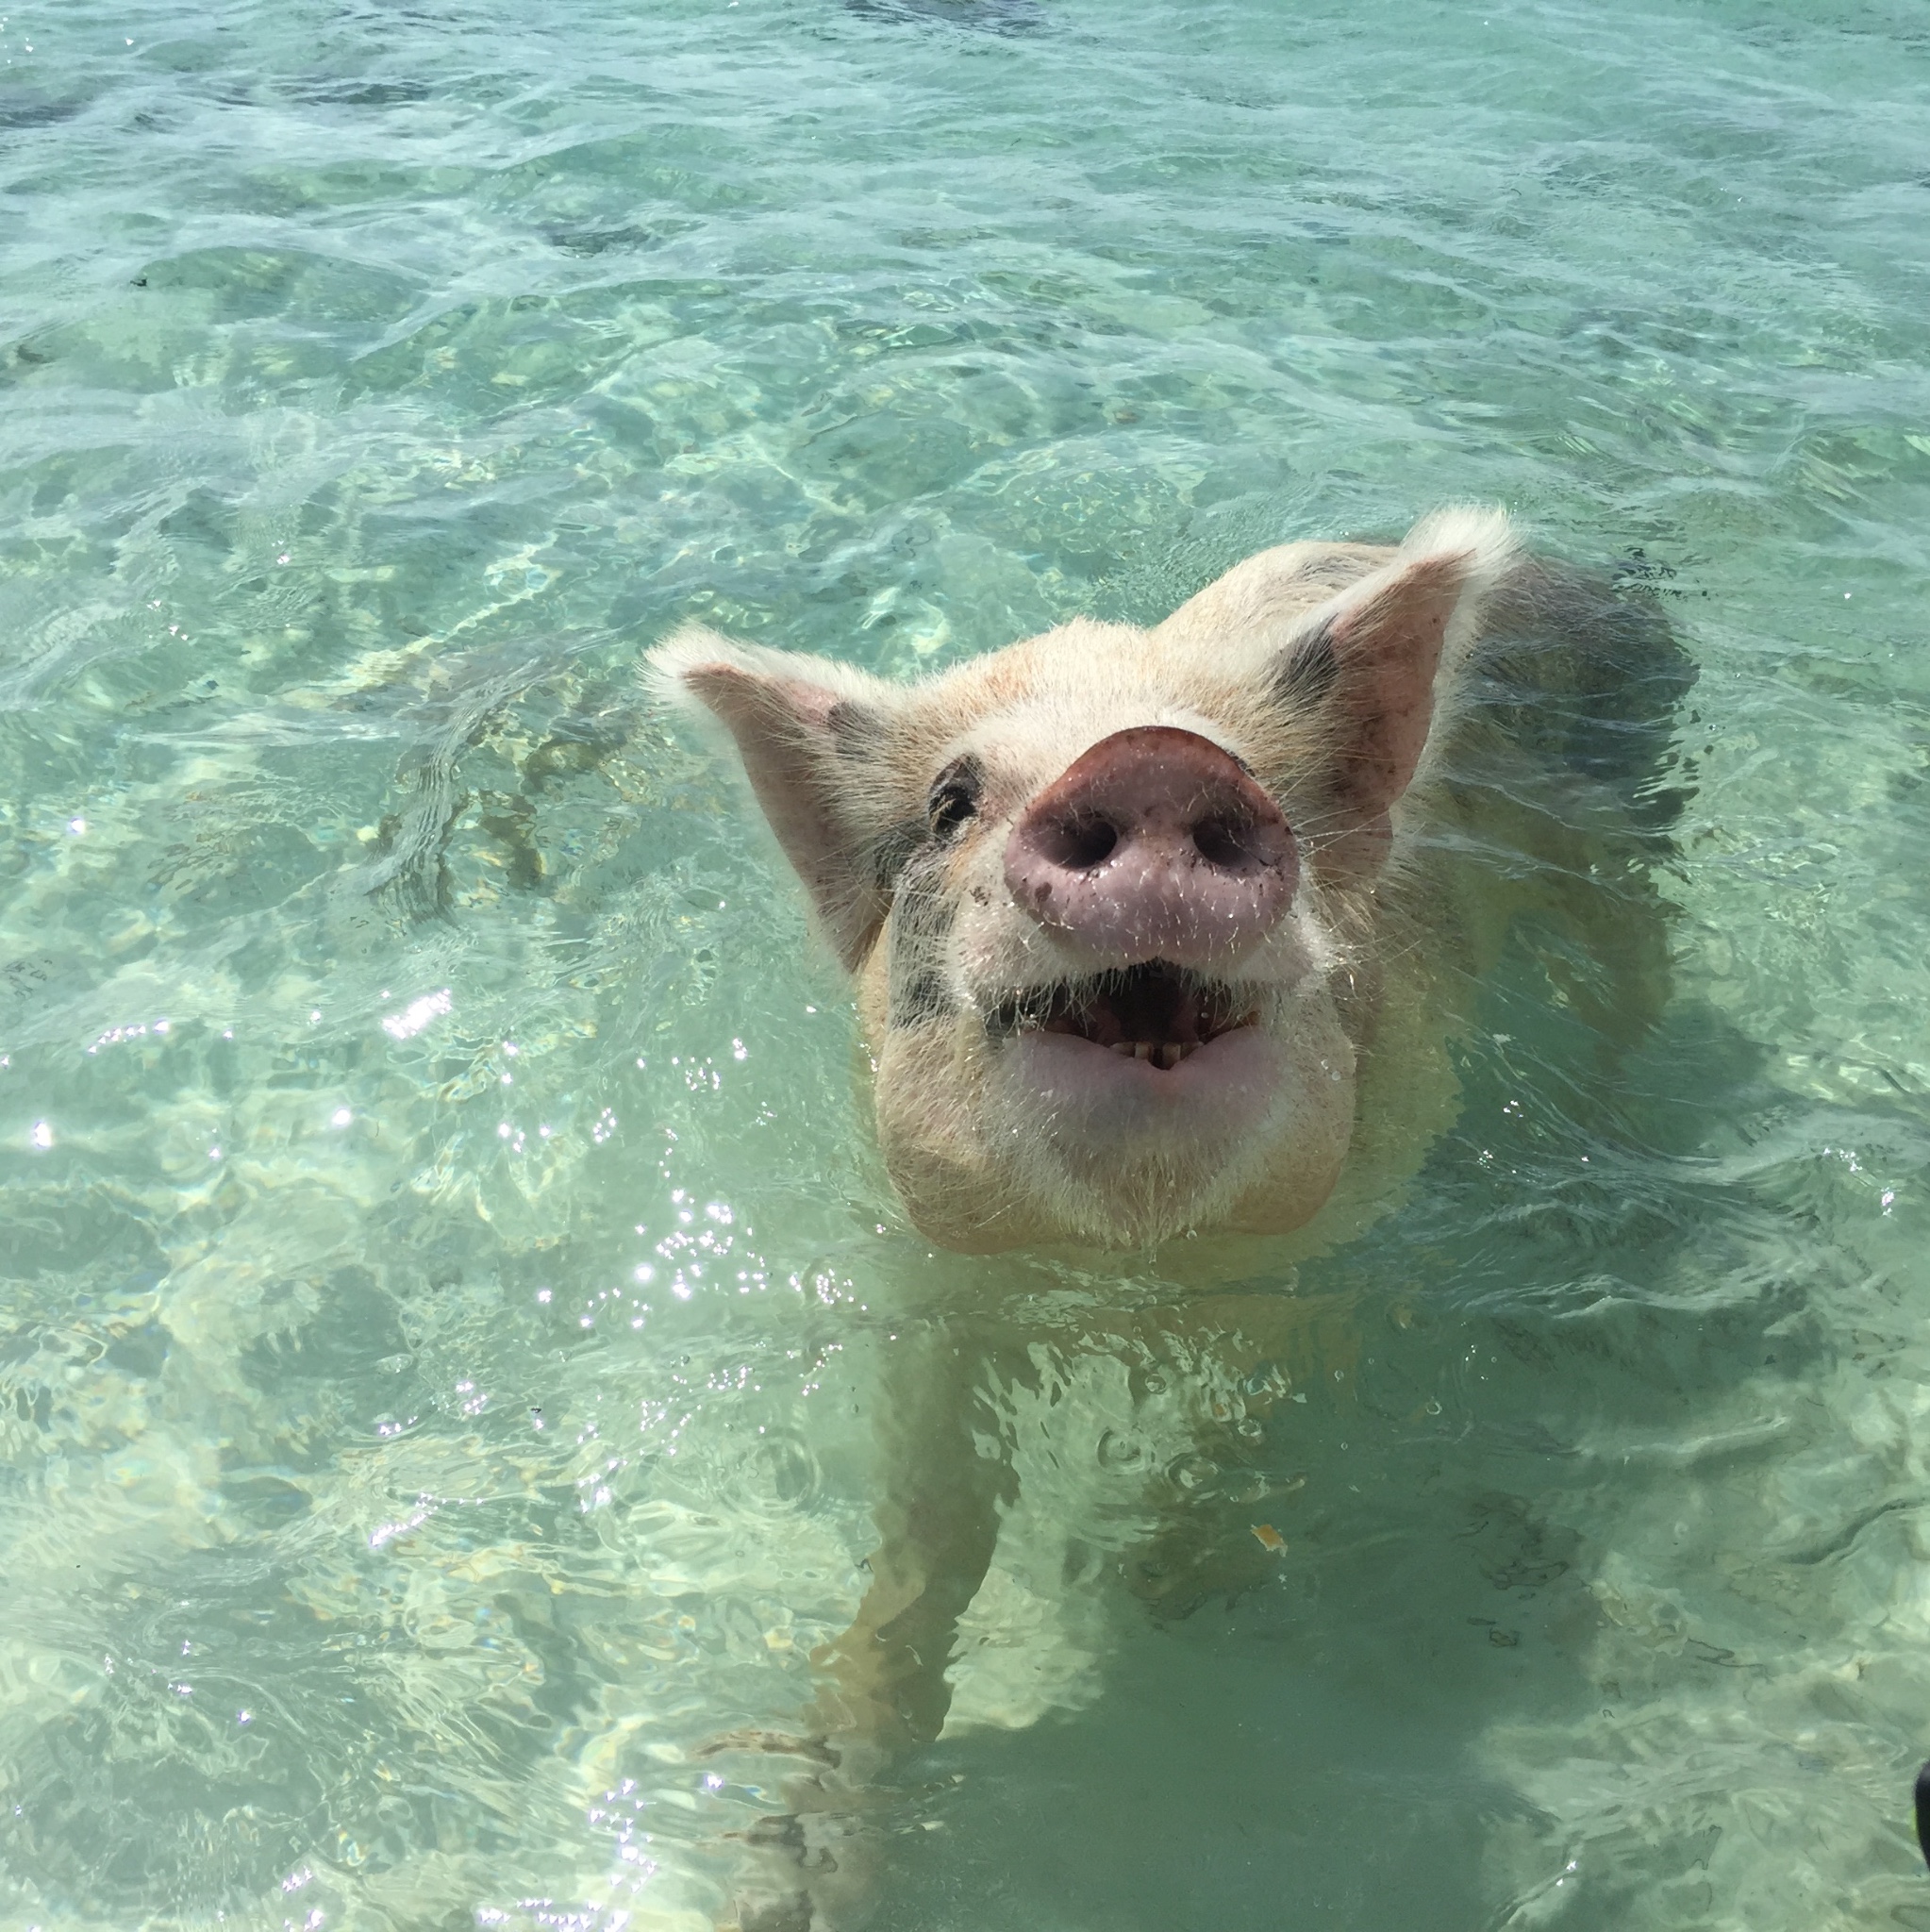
(1143, 1050)
(1124, 1046)
(1168, 1055)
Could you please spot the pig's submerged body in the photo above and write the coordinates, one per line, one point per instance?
(1169, 932)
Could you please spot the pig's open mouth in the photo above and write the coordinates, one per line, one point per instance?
(1154, 1012)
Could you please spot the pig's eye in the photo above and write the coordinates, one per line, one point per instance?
(954, 799)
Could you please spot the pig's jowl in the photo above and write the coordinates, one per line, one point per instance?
(1165, 931)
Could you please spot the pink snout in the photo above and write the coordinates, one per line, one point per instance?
(1155, 844)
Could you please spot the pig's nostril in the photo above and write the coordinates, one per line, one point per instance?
(1226, 841)
(1079, 843)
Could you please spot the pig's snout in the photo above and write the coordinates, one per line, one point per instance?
(1154, 844)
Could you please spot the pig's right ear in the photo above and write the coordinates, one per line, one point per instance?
(814, 738)
(1377, 660)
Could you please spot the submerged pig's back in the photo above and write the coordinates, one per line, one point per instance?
(1581, 679)
(1561, 789)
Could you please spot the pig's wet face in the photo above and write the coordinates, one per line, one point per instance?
(1104, 976)
(1111, 896)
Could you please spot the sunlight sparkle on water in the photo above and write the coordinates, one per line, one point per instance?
(417, 1015)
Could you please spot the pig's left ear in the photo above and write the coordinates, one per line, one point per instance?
(814, 739)
(1380, 661)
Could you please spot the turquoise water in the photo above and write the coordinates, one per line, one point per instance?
(447, 1278)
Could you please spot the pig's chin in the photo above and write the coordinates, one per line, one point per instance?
(1096, 1104)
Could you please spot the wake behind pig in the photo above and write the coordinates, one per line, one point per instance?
(1167, 931)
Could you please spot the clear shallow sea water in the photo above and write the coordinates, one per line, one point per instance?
(445, 1276)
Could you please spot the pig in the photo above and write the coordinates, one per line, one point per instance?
(1168, 932)
(1138, 917)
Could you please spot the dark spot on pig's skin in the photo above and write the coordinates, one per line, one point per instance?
(923, 904)
(1308, 671)
(920, 1000)
(893, 848)
(919, 992)
(922, 915)
(855, 729)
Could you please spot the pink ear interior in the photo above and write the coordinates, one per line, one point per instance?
(783, 728)
(1388, 650)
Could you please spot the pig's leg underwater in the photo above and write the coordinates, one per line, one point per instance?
(945, 1475)
(938, 1518)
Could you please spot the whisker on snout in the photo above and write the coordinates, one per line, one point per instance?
(1154, 1012)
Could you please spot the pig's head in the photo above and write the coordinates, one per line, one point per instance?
(1114, 898)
